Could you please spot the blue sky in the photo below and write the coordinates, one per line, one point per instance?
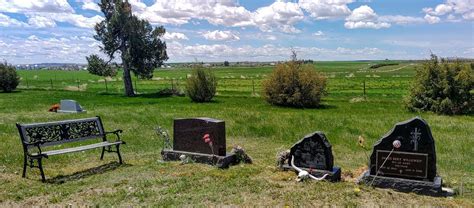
(239, 30)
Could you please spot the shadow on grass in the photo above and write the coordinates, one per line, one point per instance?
(156, 95)
(85, 173)
(11, 92)
(320, 107)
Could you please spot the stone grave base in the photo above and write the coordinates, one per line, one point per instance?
(334, 175)
(219, 161)
(405, 185)
(67, 111)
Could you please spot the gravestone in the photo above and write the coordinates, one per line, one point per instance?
(405, 160)
(313, 153)
(70, 106)
(188, 141)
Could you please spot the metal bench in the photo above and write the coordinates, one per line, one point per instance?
(38, 135)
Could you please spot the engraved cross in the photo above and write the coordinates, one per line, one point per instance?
(415, 136)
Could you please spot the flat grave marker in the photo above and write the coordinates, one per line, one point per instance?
(70, 106)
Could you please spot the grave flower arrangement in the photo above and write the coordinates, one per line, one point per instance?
(54, 108)
(207, 139)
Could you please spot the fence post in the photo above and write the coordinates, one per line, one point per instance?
(27, 86)
(253, 87)
(106, 88)
(51, 80)
(364, 89)
(78, 85)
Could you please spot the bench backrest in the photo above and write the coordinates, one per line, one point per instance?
(59, 132)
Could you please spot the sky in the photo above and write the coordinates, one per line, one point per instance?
(61, 31)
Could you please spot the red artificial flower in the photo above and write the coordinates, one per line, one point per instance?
(207, 139)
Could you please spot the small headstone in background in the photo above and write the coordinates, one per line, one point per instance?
(70, 106)
(313, 153)
(411, 166)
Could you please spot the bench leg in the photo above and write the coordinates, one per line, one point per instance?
(102, 155)
(25, 163)
(40, 166)
(118, 153)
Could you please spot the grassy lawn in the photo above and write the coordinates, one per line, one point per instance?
(263, 130)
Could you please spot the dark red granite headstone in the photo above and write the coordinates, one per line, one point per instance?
(189, 132)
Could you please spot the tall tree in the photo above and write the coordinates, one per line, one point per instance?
(139, 44)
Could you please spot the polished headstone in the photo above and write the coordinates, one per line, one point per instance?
(189, 132)
(409, 167)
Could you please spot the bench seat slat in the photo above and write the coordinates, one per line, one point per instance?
(80, 148)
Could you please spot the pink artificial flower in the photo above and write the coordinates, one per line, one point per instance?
(207, 139)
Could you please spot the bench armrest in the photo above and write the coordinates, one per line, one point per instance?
(37, 144)
(116, 133)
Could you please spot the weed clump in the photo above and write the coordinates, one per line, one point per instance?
(201, 86)
(9, 79)
(442, 87)
(294, 84)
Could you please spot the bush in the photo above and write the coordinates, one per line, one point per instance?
(294, 84)
(442, 87)
(201, 86)
(9, 80)
(375, 66)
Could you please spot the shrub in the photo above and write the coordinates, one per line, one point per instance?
(442, 87)
(375, 66)
(294, 84)
(9, 79)
(201, 86)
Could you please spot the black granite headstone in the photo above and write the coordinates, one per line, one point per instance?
(189, 132)
(188, 141)
(313, 153)
(411, 167)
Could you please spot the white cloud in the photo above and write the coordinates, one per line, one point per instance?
(21, 6)
(36, 49)
(463, 8)
(74, 19)
(401, 20)
(432, 19)
(280, 15)
(364, 17)
(269, 52)
(468, 15)
(218, 35)
(326, 9)
(175, 36)
(41, 22)
(319, 33)
(6, 21)
(177, 12)
(90, 5)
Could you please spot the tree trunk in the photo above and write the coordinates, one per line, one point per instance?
(127, 80)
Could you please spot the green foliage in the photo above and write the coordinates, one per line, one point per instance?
(226, 63)
(442, 87)
(138, 42)
(375, 66)
(201, 86)
(9, 80)
(294, 84)
(99, 67)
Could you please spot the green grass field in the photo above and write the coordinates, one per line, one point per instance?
(263, 130)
